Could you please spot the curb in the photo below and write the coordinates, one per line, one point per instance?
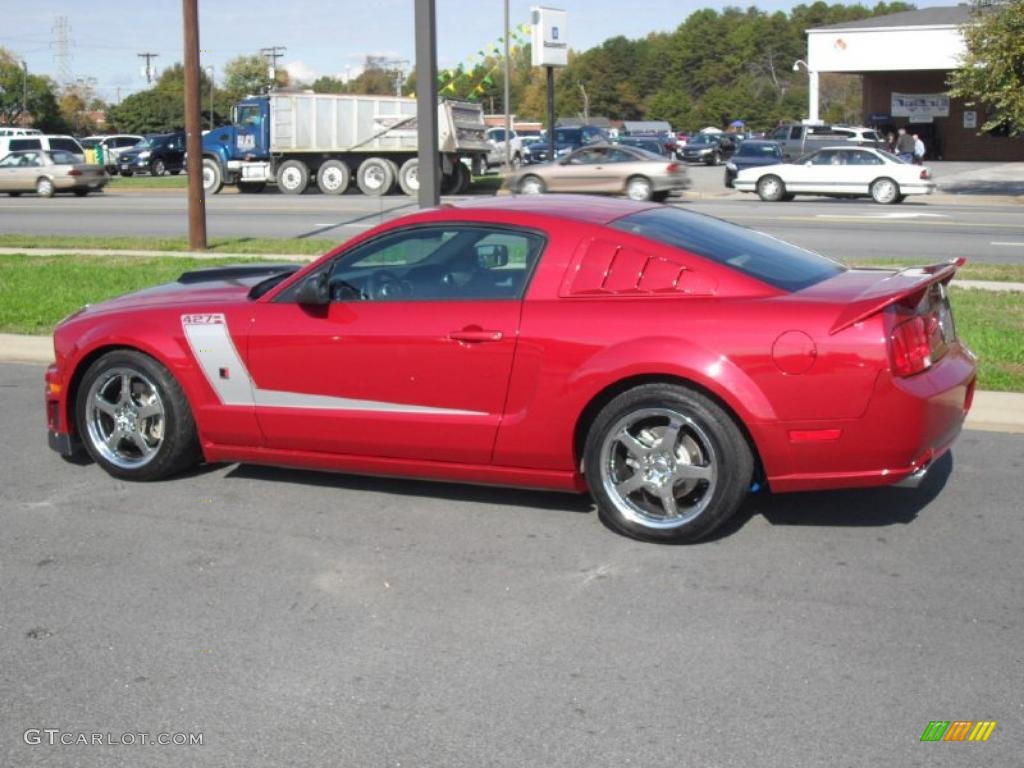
(991, 411)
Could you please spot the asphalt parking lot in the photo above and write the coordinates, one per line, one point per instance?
(300, 618)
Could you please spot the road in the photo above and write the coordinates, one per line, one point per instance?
(298, 618)
(850, 229)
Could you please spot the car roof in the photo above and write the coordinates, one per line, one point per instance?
(587, 209)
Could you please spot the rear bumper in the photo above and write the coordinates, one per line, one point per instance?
(908, 424)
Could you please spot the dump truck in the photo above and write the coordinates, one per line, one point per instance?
(295, 139)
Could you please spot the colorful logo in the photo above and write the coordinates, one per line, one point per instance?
(958, 730)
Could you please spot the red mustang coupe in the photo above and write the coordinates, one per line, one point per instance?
(667, 361)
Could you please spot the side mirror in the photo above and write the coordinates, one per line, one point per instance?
(491, 256)
(314, 291)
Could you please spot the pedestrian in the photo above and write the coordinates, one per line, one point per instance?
(918, 150)
(890, 141)
(905, 146)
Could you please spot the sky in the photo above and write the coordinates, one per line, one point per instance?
(321, 37)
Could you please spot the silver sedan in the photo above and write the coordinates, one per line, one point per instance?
(606, 169)
(47, 172)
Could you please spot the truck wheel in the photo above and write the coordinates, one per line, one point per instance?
(333, 177)
(213, 179)
(409, 177)
(375, 177)
(292, 177)
(457, 181)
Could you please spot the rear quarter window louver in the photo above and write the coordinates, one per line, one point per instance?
(607, 268)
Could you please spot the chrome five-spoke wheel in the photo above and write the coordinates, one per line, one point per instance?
(665, 462)
(125, 418)
(660, 468)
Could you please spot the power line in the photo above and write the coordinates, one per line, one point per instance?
(149, 71)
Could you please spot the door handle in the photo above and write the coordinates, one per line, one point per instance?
(474, 335)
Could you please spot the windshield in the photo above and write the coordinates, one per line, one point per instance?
(753, 253)
(568, 135)
(702, 138)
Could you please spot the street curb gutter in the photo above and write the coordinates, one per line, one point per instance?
(991, 412)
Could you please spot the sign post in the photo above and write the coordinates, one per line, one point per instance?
(549, 50)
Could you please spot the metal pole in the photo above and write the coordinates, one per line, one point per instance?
(508, 115)
(24, 87)
(428, 168)
(194, 130)
(210, 70)
(551, 114)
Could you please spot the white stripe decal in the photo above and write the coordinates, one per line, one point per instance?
(214, 350)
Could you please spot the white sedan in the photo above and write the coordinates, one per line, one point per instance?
(839, 172)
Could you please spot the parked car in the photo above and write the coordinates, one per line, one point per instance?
(667, 361)
(651, 143)
(797, 139)
(839, 172)
(46, 172)
(496, 138)
(157, 154)
(112, 145)
(752, 153)
(567, 140)
(44, 141)
(708, 148)
(604, 169)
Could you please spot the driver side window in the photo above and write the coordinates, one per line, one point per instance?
(431, 263)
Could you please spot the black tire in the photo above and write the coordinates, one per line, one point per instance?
(771, 189)
(375, 177)
(531, 184)
(213, 177)
(705, 490)
(457, 181)
(639, 188)
(157, 168)
(44, 187)
(177, 446)
(409, 177)
(80, 192)
(175, 173)
(333, 177)
(292, 177)
(127, 174)
(715, 159)
(885, 191)
(660, 197)
(14, 194)
(788, 197)
(251, 187)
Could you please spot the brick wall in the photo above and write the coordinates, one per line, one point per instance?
(947, 135)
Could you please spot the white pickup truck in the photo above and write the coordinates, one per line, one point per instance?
(496, 138)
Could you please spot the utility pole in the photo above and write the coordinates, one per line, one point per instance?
(508, 114)
(272, 54)
(398, 64)
(24, 87)
(149, 70)
(194, 129)
(209, 70)
(427, 169)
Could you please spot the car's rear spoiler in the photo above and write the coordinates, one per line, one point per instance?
(235, 272)
(894, 288)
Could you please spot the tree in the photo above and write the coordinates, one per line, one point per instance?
(992, 72)
(160, 109)
(76, 102)
(376, 78)
(38, 93)
(250, 75)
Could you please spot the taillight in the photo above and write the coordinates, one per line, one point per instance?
(910, 350)
(74, 172)
(925, 174)
(672, 167)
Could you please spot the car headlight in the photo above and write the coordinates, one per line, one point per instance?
(561, 152)
(731, 166)
(144, 155)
